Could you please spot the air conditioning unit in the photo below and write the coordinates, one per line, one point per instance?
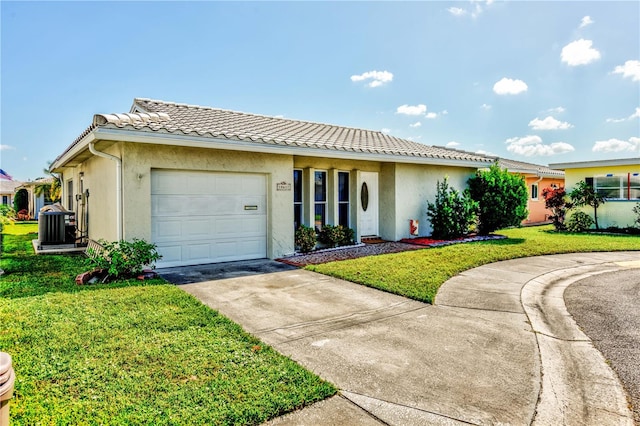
(52, 227)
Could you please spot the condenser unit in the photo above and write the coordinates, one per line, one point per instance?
(52, 227)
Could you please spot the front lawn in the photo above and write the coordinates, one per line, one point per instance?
(132, 353)
(419, 274)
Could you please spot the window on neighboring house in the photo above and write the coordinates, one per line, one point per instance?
(617, 187)
(343, 199)
(320, 205)
(534, 191)
(5, 199)
(70, 194)
(297, 198)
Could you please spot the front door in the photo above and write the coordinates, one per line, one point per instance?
(368, 204)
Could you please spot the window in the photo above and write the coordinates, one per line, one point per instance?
(343, 199)
(534, 191)
(297, 198)
(617, 187)
(70, 194)
(5, 199)
(320, 206)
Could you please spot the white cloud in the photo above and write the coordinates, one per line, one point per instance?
(579, 52)
(457, 11)
(617, 145)
(636, 114)
(630, 69)
(486, 107)
(431, 115)
(532, 145)
(6, 147)
(549, 123)
(416, 124)
(444, 112)
(556, 110)
(377, 78)
(508, 86)
(452, 144)
(411, 109)
(586, 21)
(385, 130)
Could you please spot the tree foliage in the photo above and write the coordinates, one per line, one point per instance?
(452, 213)
(584, 194)
(555, 199)
(20, 200)
(52, 189)
(501, 196)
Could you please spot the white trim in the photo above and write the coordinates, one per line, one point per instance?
(599, 163)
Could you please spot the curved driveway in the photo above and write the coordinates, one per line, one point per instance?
(607, 308)
(497, 347)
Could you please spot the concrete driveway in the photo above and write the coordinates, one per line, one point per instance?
(476, 357)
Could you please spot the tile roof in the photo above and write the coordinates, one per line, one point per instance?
(182, 119)
(522, 167)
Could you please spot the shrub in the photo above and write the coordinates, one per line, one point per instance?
(21, 200)
(555, 200)
(585, 195)
(579, 222)
(502, 198)
(335, 236)
(305, 238)
(452, 213)
(22, 215)
(124, 258)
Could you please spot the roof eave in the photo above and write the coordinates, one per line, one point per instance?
(73, 151)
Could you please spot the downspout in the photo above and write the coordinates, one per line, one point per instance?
(118, 161)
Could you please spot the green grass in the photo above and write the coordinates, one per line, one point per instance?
(133, 353)
(30, 275)
(419, 274)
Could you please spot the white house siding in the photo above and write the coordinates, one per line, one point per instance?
(414, 186)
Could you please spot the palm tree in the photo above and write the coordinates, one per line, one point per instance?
(52, 188)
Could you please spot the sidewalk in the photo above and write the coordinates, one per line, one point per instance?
(497, 347)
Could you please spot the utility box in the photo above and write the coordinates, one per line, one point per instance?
(56, 228)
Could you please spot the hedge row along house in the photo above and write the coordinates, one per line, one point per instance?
(212, 185)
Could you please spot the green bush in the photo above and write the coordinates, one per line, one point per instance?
(335, 236)
(579, 222)
(305, 238)
(502, 198)
(123, 258)
(452, 213)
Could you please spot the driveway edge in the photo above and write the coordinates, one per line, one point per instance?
(578, 386)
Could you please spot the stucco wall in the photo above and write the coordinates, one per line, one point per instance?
(537, 210)
(140, 159)
(415, 185)
(99, 179)
(614, 212)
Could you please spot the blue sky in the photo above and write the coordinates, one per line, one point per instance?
(541, 82)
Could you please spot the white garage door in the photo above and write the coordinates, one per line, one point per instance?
(203, 217)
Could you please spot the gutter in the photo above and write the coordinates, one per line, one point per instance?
(118, 161)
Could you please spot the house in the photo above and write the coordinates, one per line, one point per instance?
(211, 185)
(8, 190)
(35, 200)
(618, 181)
(537, 178)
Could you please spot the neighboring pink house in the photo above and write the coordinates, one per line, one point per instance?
(537, 178)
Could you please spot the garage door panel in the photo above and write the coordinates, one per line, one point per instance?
(202, 217)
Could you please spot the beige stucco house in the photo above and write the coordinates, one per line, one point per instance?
(618, 181)
(211, 185)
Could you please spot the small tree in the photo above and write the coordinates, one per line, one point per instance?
(53, 190)
(21, 200)
(585, 195)
(636, 210)
(452, 213)
(502, 198)
(555, 199)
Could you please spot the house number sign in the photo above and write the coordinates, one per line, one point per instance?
(283, 186)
